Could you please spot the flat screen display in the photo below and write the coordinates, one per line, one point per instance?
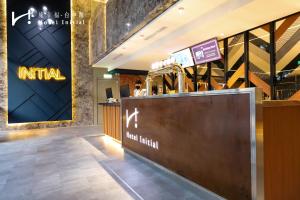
(109, 93)
(124, 91)
(207, 51)
(184, 58)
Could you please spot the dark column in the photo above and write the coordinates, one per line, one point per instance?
(173, 80)
(246, 58)
(272, 61)
(164, 85)
(195, 77)
(209, 76)
(226, 62)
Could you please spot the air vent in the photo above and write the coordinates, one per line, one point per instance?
(156, 32)
(117, 56)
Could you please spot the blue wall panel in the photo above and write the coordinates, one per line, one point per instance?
(38, 100)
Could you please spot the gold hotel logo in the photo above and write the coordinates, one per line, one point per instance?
(38, 73)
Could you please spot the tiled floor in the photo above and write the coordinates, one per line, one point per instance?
(73, 163)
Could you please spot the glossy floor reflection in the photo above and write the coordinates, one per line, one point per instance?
(144, 180)
(73, 163)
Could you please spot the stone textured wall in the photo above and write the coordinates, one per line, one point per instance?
(135, 12)
(97, 30)
(83, 71)
(113, 16)
(3, 88)
(82, 74)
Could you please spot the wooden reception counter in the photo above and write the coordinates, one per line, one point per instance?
(208, 137)
(111, 120)
(229, 142)
(281, 138)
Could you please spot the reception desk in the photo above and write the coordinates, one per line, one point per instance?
(208, 138)
(281, 138)
(229, 142)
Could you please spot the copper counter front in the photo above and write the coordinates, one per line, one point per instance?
(205, 139)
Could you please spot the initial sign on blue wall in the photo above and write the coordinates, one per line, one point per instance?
(39, 61)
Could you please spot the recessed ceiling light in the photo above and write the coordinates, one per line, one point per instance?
(50, 21)
(222, 34)
(40, 23)
(33, 12)
(45, 9)
(128, 24)
(181, 10)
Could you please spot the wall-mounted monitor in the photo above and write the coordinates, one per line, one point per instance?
(207, 51)
(184, 58)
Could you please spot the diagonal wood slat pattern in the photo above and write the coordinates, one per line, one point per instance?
(260, 83)
(285, 25)
(168, 81)
(215, 84)
(295, 97)
(243, 85)
(240, 73)
(189, 84)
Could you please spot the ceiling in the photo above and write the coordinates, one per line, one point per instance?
(199, 21)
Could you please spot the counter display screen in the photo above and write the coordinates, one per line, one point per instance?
(206, 51)
(184, 58)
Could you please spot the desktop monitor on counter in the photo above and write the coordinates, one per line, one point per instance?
(109, 93)
(124, 91)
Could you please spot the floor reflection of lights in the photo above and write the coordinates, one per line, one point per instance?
(142, 179)
(24, 134)
(111, 147)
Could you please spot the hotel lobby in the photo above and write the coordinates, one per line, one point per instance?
(149, 99)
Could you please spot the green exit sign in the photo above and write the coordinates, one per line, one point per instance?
(298, 62)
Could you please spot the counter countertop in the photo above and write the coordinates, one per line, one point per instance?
(202, 93)
(109, 104)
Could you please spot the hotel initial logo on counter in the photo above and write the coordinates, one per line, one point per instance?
(130, 117)
(146, 141)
